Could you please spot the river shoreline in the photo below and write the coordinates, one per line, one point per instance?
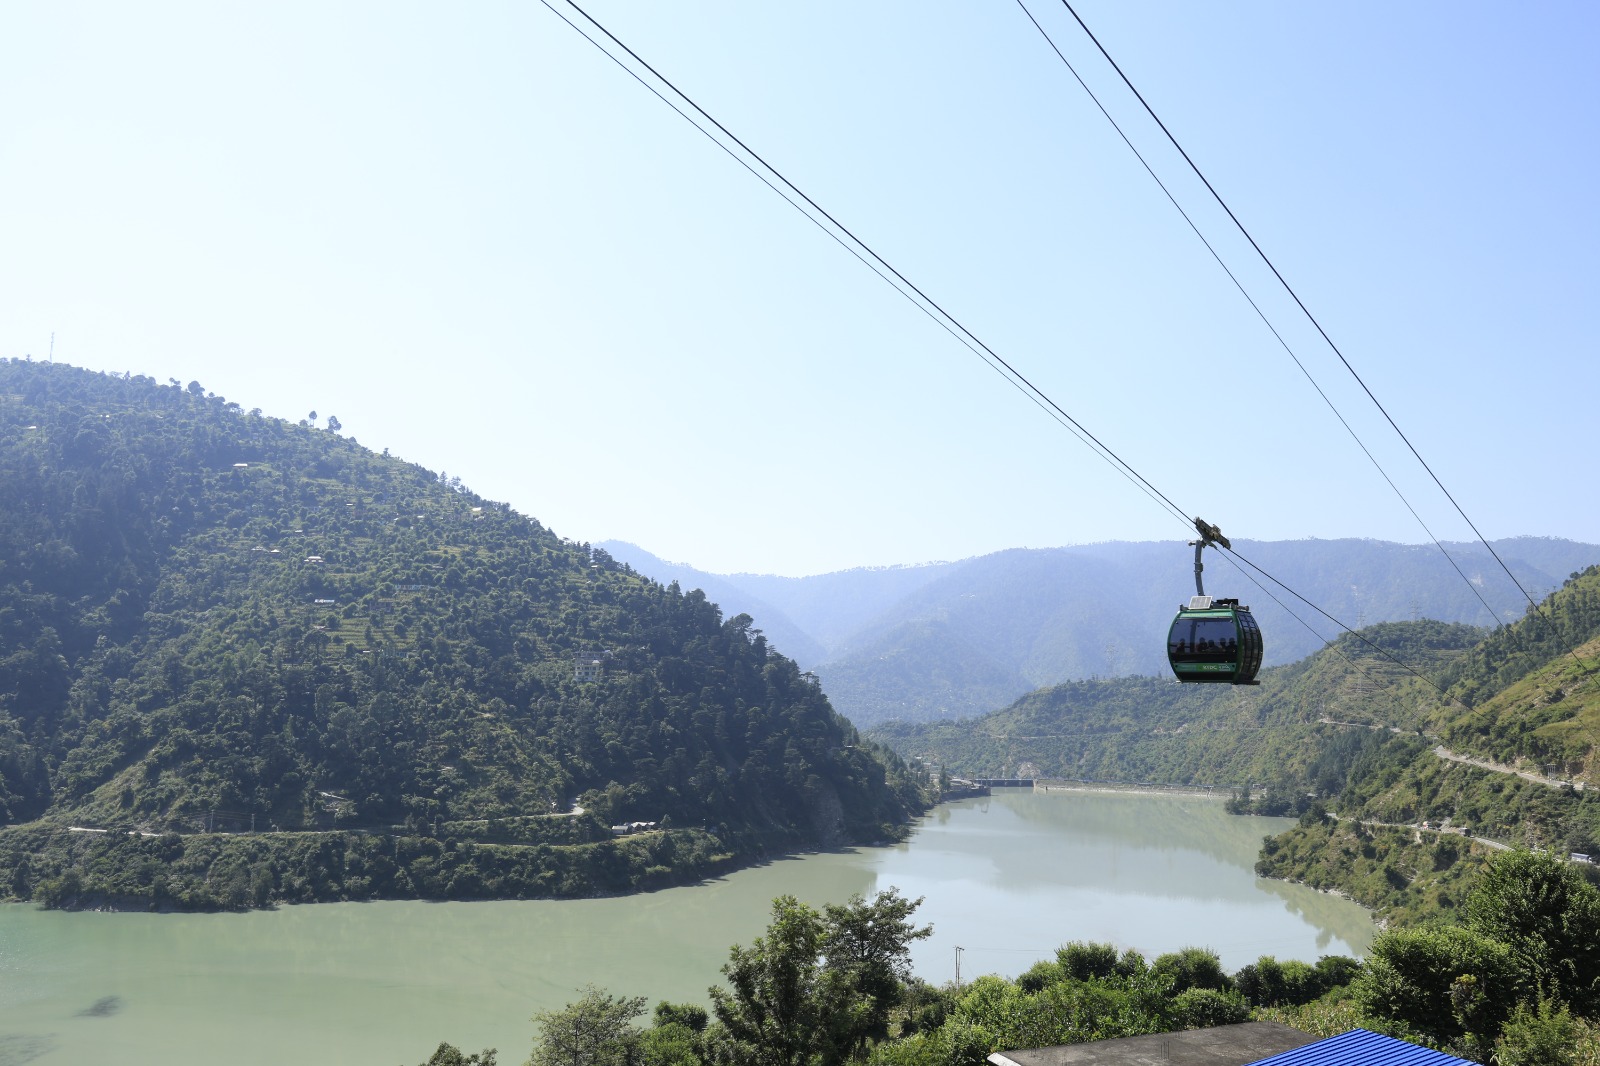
(1129, 790)
(1009, 879)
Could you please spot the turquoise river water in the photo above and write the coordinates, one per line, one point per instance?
(1007, 878)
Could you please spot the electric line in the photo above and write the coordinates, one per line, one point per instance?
(1291, 353)
(1060, 413)
(1034, 396)
(1375, 647)
(1261, 314)
(933, 309)
(1309, 316)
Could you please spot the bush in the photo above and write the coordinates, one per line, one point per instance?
(691, 1015)
(1544, 1036)
(1192, 968)
(1201, 1008)
(1449, 984)
(1081, 960)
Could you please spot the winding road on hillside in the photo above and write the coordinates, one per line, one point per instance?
(1420, 829)
(1489, 764)
(1469, 760)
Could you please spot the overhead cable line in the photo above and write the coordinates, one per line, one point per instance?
(840, 240)
(865, 253)
(1331, 645)
(937, 312)
(1261, 314)
(1314, 384)
(1307, 312)
(1374, 646)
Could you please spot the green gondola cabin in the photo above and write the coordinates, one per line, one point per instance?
(1216, 641)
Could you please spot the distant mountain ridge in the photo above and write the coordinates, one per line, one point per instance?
(950, 640)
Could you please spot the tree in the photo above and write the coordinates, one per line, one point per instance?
(690, 1015)
(779, 1012)
(596, 1030)
(1270, 983)
(1082, 960)
(334, 424)
(676, 1037)
(870, 945)
(1452, 985)
(1549, 916)
(818, 986)
(670, 1044)
(1192, 968)
(1546, 1036)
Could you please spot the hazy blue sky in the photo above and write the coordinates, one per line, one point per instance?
(478, 243)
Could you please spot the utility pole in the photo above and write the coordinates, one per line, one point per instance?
(959, 949)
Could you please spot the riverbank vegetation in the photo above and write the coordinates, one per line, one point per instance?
(59, 868)
(1403, 875)
(258, 662)
(1515, 980)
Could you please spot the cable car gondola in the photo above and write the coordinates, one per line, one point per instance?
(1215, 640)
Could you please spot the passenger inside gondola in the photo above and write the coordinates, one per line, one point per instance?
(1204, 640)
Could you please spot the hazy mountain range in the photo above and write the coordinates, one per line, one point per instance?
(947, 640)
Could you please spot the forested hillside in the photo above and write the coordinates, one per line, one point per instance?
(1301, 728)
(1532, 690)
(269, 653)
(1508, 754)
(1526, 700)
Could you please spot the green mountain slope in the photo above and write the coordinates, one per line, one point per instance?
(213, 622)
(1518, 734)
(1526, 705)
(1304, 724)
(1533, 688)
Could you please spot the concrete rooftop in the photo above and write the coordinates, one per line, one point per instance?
(1224, 1045)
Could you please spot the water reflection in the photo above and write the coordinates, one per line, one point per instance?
(19, 1048)
(104, 1007)
(1179, 822)
(1012, 876)
(1173, 848)
(1327, 912)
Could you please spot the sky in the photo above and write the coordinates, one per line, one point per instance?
(482, 245)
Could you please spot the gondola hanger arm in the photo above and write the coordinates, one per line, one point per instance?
(1209, 534)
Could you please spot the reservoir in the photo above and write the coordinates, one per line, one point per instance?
(1007, 878)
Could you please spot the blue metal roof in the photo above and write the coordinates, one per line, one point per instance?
(1359, 1047)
